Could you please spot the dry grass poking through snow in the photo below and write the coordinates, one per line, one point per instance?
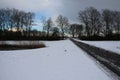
(5, 45)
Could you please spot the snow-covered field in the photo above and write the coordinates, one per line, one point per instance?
(113, 46)
(60, 60)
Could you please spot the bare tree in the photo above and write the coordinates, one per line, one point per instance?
(29, 20)
(107, 16)
(117, 21)
(1, 19)
(91, 18)
(79, 30)
(48, 26)
(94, 17)
(76, 30)
(55, 32)
(31, 17)
(73, 29)
(43, 21)
(84, 18)
(62, 22)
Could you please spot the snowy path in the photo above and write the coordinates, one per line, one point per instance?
(61, 60)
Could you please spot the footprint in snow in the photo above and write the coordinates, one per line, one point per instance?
(65, 50)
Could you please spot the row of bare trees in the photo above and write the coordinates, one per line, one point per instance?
(92, 23)
(57, 28)
(14, 19)
(61, 27)
(17, 24)
(101, 23)
(105, 23)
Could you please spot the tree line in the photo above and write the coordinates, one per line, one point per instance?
(61, 27)
(93, 24)
(58, 28)
(16, 24)
(104, 23)
(14, 20)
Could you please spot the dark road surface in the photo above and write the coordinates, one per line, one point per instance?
(106, 58)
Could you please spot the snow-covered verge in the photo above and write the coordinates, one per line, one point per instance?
(113, 46)
(60, 60)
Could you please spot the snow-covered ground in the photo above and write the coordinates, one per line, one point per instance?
(113, 46)
(60, 60)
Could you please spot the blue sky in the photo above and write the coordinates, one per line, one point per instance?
(52, 8)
